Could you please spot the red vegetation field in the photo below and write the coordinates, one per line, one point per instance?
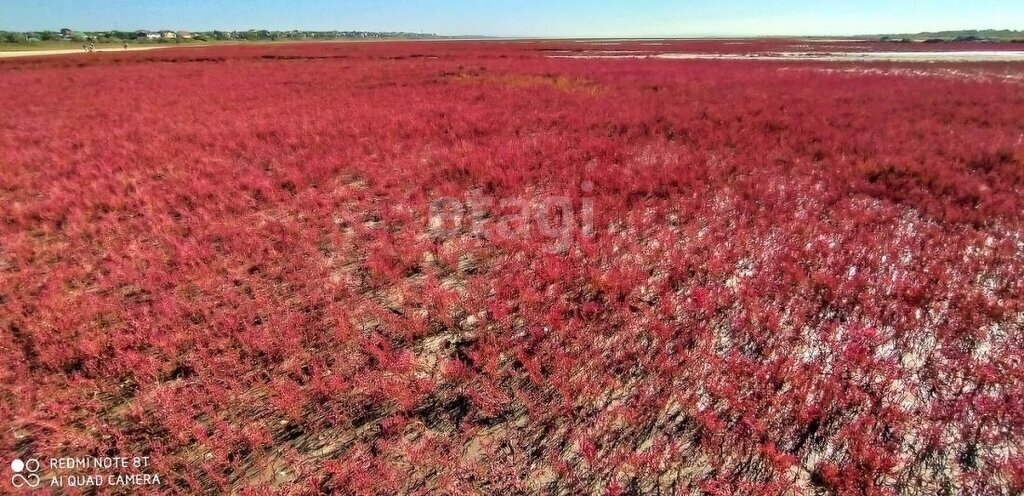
(802, 278)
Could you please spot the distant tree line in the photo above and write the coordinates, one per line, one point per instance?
(216, 35)
(263, 34)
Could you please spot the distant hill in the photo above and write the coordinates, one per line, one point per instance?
(976, 35)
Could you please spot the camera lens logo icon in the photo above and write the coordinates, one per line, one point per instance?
(25, 473)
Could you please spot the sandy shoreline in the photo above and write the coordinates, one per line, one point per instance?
(895, 56)
(69, 51)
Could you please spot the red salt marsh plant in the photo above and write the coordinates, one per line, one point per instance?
(797, 281)
(556, 218)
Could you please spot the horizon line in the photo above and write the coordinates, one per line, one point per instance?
(543, 37)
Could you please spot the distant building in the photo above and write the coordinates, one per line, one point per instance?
(185, 35)
(146, 35)
(67, 32)
(170, 35)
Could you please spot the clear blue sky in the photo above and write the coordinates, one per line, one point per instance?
(523, 17)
